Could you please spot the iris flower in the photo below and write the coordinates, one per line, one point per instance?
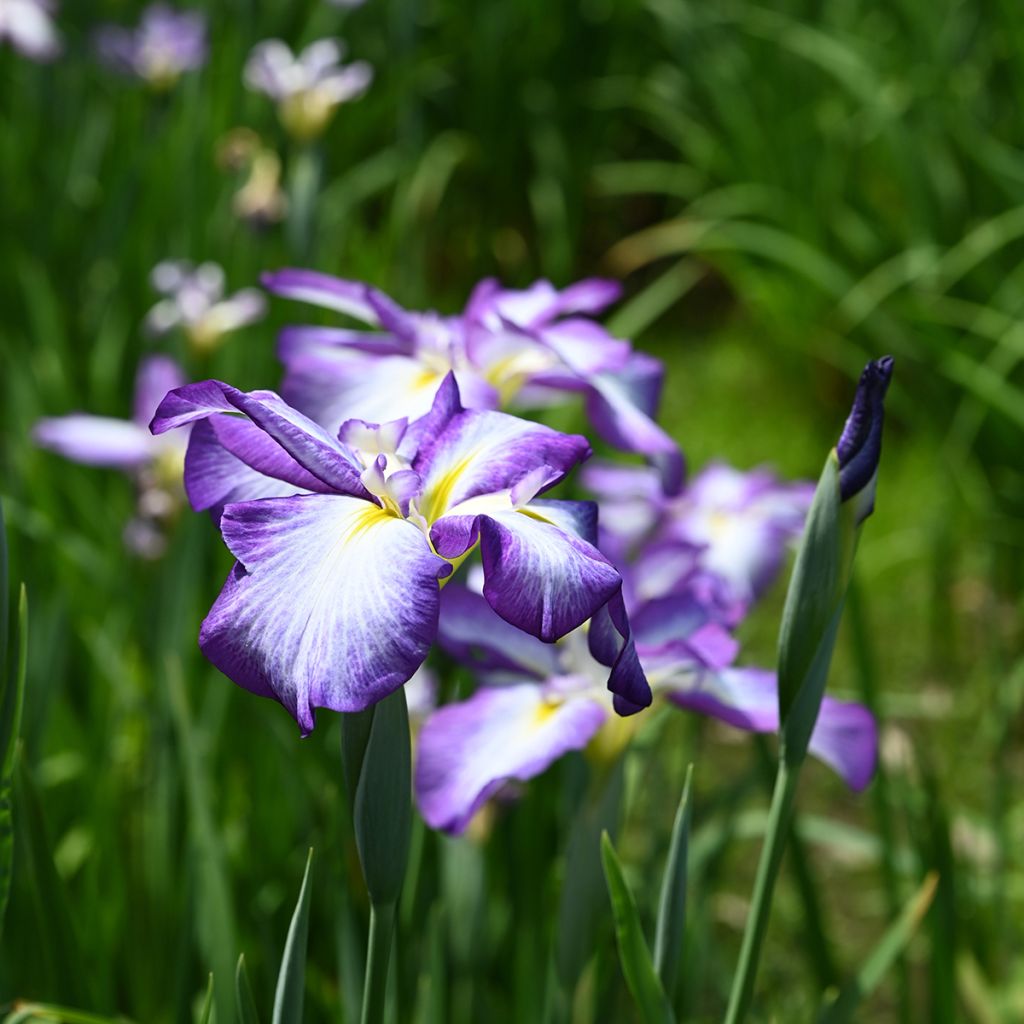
(194, 302)
(730, 527)
(28, 24)
(537, 702)
(154, 463)
(508, 349)
(307, 87)
(165, 44)
(333, 601)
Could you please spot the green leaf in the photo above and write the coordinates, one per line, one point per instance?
(206, 1014)
(634, 955)
(382, 812)
(46, 1013)
(10, 726)
(245, 1004)
(291, 980)
(885, 954)
(671, 926)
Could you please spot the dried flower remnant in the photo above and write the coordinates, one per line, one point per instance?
(154, 463)
(509, 349)
(165, 44)
(29, 27)
(194, 302)
(307, 87)
(333, 601)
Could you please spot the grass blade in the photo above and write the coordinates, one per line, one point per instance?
(291, 981)
(206, 1014)
(245, 1005)
(10, 726)
(671, 926)
(634, 954)
(885, 954)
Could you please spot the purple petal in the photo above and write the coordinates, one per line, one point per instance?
(860, 445)
(466, 751)
(610, 640)
(540, 578)
(96, 440)
(845, 736)
(295, 343)
(591, 295)
(472, 632)
(156, 376)
(482, 452)
(334, 603)
(349, 297)
(306, 442)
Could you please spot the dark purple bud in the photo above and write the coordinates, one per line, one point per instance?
(860, 445)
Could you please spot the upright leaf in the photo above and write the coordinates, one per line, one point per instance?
(206, 1014)
(634, 955)
(291, 979)
(10, 726)
(245, 1005)
(671, 927)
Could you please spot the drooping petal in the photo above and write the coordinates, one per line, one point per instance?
(539, 577)
(610, 639)
(312, 447)
(845, 736)
(466, 751)
(485, 452)
(96, 440)
(333, 603)
(472, 632)
(318, 289)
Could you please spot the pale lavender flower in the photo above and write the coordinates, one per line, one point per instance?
(307, 87)
(154, 463)
(194, 302)
(509, 349)
(29, 26)
(165, 44)
(333, 601)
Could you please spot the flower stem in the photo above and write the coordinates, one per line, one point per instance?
(378, 954)
(779, 818)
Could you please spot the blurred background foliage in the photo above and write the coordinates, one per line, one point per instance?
(785, 190)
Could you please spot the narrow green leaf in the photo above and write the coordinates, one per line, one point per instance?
(206, 1014)
(38, 1013)
(891, 945)
(671, 926)
(291, 980)
(5, 610)
(245, 1004)
(634, 955)
(10, 726)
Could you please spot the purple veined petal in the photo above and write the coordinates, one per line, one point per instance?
(155, 377)
(482, 452)
(466, 751)
(585, 346)
(334, 602)
(349, 297)
(96, 440)
(610, 640)
(230, 459)
(845, 736)
(473, 633)
(298, 342)
(621, 407)
(312, 447)
(540, 578)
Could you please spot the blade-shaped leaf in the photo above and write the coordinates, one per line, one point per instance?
(206, 1013)
(671, 927)
(892, 943)
(10, 726)
(245, 1004)
(634, 954)
(291, 980)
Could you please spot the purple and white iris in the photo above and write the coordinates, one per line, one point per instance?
(165, 44)
(508, 349)
(537, 702)
(28, 24)
(155, 463)
(333, 601)
(194, 302)
(307, 87)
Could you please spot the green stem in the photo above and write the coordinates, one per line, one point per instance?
(779, 818)
(378, 953)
